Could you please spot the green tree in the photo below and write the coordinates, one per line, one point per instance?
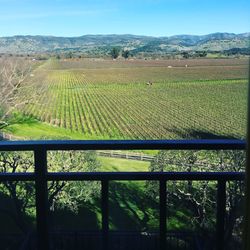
(17, 199)
(115, 52)
(125, 54)
(197, 198)
(201, 53)
(185, 54)
(69, 54)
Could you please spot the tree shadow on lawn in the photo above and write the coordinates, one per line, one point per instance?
(130, 208)
(10, 221)
(133, 209)
(84, 219)
(19, 118)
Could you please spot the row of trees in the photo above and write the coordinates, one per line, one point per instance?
(115, 52)
(193, 54)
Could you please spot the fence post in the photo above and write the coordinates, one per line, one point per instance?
(247, 179)
(163, 214)
(105, 215)
(41, 186)
(221, 213)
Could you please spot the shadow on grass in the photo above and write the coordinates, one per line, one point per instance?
(19, 118)
(84, 219)
(200, 134)
(10, 222)
(130, 208)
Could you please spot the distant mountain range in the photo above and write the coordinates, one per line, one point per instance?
(101, 44)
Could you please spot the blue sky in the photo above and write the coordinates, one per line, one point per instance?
(142, 17)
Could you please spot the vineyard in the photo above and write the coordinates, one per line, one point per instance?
(187, 99)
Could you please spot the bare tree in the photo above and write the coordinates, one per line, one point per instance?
(13, 73)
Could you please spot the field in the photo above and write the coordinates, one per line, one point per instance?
(106, 99)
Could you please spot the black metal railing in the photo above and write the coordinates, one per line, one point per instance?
(41, 176)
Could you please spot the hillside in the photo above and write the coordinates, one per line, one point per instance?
(101, 44)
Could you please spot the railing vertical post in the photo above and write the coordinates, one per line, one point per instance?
(221, 213)
(40, 155)
(163, 214)
(105, 214)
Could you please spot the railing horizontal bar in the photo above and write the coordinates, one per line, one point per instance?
(123, 145)
(17, 177)
(147, 176)
(126, 176)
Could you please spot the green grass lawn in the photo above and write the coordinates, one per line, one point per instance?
(130, 209)
(115, 164)
(25, 127)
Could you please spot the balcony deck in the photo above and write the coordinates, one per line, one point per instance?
(41, 176)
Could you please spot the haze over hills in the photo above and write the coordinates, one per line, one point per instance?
(103, 43)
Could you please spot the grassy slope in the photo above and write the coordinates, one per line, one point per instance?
(121, 216)
(130, 207)
(128, 203)
(114, 164)
(126, 209)
(40, 130)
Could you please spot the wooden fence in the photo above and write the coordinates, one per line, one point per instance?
(125, 155)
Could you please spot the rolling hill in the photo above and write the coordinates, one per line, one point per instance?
(103, 43)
